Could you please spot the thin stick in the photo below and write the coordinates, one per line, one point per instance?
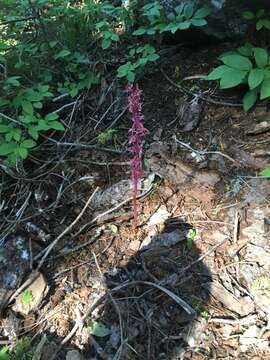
(209, 100)
(213, 248)
(91, 308)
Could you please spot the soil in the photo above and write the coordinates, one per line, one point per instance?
(147, 322)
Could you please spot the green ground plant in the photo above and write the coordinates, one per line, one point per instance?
(248, 65)
(52, 49)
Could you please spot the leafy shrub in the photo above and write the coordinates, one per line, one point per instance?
(259, 18)
(247, 65)
(53, 48)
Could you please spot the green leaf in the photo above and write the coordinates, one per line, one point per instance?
(4, 129)
(4, 353)
(232, 77)
(265, 89)
(238, 62)
(217, 72)
(250, 99)
(17, 134)
(131, 76)
(259, 25)
(184, 25)
(97, 328)
(51, 116)
(248, 15)
(153, 57)
(140, 31)
(32, 131)
(27, 107)
(62, 54)
(37, 105)
(188, 10)
(255, 78)
(202, 12)
(7, 148)
(28, 144)
(27, 296)
(265, 172)
(56, 125)
(261, 57)
(266, 23)
(198, 22)
(13, 81)
(23, 152)
(246, 50)
(106, 43)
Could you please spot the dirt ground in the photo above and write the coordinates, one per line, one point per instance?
(192, 281)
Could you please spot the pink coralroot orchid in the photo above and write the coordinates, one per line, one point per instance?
(137, 133)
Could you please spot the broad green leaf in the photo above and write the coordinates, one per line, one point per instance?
(27, 107)
(184, 25)
(153, 57)
(232, 77)
(255, 78)
(217, 72)
(202, 12)
(97, 328)
(198, 22)
(259, 25)
(238, 62)
(179, 9)
(266, 23)
(51, 116)
(4, 129)
(246, 50)
(261, 57)
(248, 15)
(106, 43)
(7, 148)
(32, 131)
(131, 76)
(23, 152)
(62, 54)
(265, 172)
(28, 144)
(188, 10)
(37, 105)
(250, 99)
(56, 125)
(13, 80)
(139, 31)
(265, 89)
(17, 134)
(4, 353)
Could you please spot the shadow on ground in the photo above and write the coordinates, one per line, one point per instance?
(154, 306)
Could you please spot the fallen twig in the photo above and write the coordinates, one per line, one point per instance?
(206, 99)
(35, 272)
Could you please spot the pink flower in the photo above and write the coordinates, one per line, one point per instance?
(137, 133)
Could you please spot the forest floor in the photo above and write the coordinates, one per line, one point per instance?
(192, 281)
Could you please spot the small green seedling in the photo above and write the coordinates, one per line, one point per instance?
(97, 328)
(265, 172)
(190, 238)
(27, 297)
